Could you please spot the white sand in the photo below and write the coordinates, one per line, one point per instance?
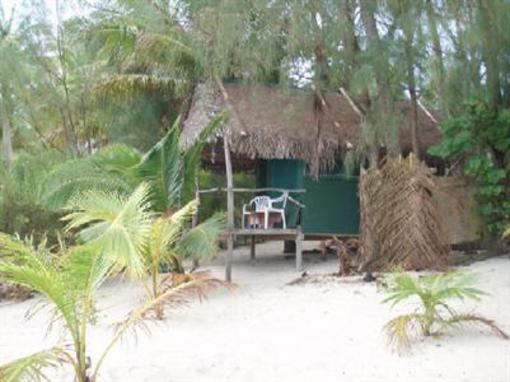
(266, 331)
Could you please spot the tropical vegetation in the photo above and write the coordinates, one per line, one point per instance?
(70, 278)
(434, 312)
(95, 179)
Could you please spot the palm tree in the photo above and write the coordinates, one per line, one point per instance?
(140, 241)
(433, 313)
(69, 279)
(168, 168)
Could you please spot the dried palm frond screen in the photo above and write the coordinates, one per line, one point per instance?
(401, 224)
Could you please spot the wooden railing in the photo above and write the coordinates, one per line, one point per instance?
(257, 190)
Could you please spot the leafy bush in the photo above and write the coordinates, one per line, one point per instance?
(481, 138)
(434, 314)
(22, 207)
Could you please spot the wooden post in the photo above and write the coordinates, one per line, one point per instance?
(299, 250)
(252, 248)
(230, 211)
(194, 222)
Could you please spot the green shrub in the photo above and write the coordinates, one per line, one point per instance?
(22, 208)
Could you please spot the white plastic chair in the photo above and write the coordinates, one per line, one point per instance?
(265, 204)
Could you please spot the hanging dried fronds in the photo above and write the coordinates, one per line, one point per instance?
(401, 221)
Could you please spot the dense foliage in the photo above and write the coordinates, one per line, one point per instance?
(479, 141)
(77, 76)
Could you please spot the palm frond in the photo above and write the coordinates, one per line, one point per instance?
(161, 167)
(401, 330)
(165, 51)
(201, 242)
(193, 156)
(461, 319)
(77, 176)
(12, 248)
(174, 297)
(178, 222)
(178, 296)
(115, 225)
(166, 231)
(32, 367)
(44, 276)
(119, 160)
(400, 286)
(123, 87)
(87, 208)
(85, 270)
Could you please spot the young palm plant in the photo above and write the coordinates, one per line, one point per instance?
(140, 241)
(434, 313)
(70, 279)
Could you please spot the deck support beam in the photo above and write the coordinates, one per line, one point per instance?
(299, 250)
(252, 248)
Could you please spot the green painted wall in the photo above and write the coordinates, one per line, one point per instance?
(332, 204)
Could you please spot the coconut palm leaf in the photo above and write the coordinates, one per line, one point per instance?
(86, 268)
(433, 288)
(70, 282)
(462, 319)
(120, 160)
(162, 168)
(76, 176)
(193, 155)
(12, 248)
(201, 242)
(115, 225)
(45, 276)
(166, 231)
(173, 297)
(123, 87)
(32, 367)
(179, 222)
(401, 330)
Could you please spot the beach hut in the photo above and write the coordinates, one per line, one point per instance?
(275, 131)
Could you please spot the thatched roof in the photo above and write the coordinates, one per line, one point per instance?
(275, 123)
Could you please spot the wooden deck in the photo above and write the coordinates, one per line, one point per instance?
(294, 234)
(271, 232)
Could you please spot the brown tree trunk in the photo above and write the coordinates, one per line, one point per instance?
(489, 54)
(411, 83)
(437, 52)
(379, 63)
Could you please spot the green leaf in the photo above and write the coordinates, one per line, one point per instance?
(161, 168)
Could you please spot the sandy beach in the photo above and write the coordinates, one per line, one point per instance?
(268, 331)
